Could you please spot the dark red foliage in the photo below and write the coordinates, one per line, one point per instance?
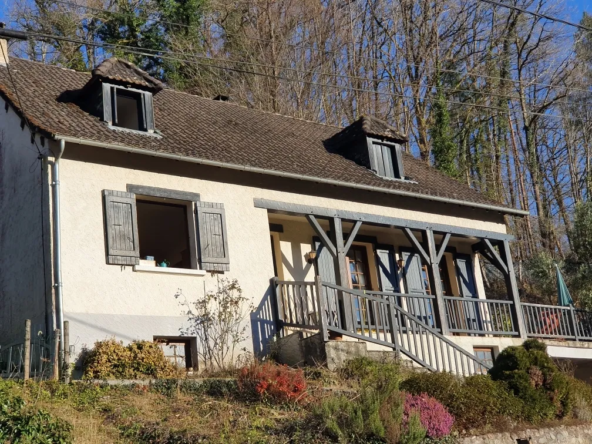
(272, 382)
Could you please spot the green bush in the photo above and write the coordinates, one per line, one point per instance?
(375, 414)
(534, 378)
(110, 359)
(368, 373)
(472, 400)
(22, 424)
(415, 433)
(582, 407)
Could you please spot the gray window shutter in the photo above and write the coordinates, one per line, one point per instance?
(121, 228)
(326, 271)
(386, 159)
(107, 103)
(387, 268)
(212, 235)
(398, 161)
(412, 272)
(470, 317)
(148, 111)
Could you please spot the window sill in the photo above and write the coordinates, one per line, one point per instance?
(167, 270)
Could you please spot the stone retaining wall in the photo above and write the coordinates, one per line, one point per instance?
(581, 434)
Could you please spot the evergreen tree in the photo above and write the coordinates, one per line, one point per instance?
(444, 149)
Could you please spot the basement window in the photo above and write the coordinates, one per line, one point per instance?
(180, 350)
(163, 234)
(485, 355)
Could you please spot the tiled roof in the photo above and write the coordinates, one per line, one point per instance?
(210, 130)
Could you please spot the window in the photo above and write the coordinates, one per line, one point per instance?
(163, 233)
(485, 355)
(169, 229)
(358, 267)
(180, 350)
(128, 108)
(444, 279)
(386, 159)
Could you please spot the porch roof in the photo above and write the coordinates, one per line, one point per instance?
(373, 219)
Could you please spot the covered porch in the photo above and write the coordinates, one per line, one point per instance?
(412, 287)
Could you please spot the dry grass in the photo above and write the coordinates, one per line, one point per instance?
(88, 427)
(131, 415)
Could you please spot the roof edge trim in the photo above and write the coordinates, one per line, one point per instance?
(250, 169)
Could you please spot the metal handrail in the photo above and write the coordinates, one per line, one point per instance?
(552, 321)
(479, 316)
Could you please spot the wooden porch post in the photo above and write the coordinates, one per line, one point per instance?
(435, 258)
(341, 272)
(512, 287)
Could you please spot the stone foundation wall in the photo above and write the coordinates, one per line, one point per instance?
(581, 434)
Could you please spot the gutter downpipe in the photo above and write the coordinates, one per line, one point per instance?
(290, 175)
(58, 246)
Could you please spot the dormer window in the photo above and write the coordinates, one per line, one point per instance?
(373, 144)
(128, 108)
(386, 159)
(121, 95)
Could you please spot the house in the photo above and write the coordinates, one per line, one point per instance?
(344, 243)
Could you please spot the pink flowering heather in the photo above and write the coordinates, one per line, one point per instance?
(434, 417)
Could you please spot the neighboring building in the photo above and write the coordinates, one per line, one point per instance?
(220, 190)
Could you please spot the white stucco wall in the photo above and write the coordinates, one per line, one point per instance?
(102, 300)
(24, 281)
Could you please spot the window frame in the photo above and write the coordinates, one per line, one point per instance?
(190, 214)
(395, 161)
(484, 348)
(145, 108)
(188, 199)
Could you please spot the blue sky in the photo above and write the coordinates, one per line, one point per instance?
(573, 11)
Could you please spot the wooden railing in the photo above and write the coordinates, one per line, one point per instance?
(419, 305)
(382, 321)
(479, 316)
(406, 323)
(297, 304)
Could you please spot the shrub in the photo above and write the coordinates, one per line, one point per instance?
(472, 400)
(375, 414)
(350, 420)
(434, 417)
(582, 408)
(369, 373)
(138, 360)
(534, 378)
(217, 319)
(414, 433)
(272, 382)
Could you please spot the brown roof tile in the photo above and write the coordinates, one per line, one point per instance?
(126, 72)
(219, 131)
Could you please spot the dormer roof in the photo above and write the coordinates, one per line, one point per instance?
(122, 71)
(369, 126)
